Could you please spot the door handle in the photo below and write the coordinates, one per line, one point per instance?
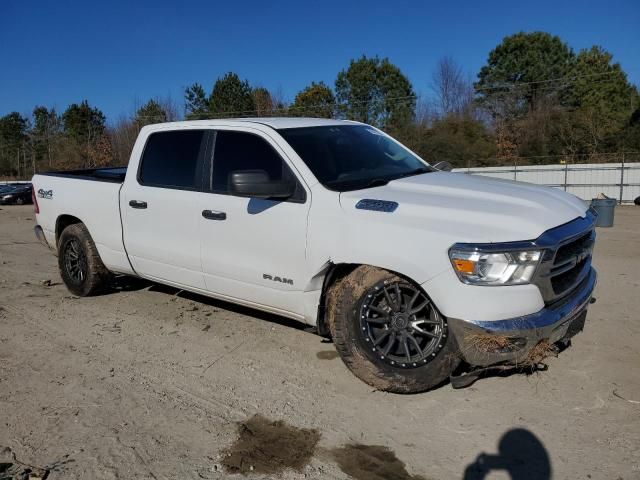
(213, 215)
(137, 204)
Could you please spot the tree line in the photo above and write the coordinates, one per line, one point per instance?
(534, 99)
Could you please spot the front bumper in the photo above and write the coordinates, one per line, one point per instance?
(484, 343)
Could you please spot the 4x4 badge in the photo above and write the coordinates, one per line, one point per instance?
(48, 194)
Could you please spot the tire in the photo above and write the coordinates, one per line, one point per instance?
(81, 268)
(20, 201)
(356, 327)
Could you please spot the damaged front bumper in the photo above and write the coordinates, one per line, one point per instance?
(484, 343)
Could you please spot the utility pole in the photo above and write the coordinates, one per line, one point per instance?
(622, 177)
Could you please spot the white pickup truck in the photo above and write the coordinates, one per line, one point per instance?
(409, 269)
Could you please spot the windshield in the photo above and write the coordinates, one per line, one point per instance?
(352, 157)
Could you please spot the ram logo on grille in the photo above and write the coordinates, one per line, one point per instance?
(582, 255)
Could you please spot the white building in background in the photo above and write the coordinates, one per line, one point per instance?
(585, 180)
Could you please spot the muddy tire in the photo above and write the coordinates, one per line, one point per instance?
(389, 333)
(81, 268)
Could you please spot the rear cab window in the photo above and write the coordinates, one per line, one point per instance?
(174, 159)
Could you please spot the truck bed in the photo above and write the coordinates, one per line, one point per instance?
(91, 196)
(104, 174)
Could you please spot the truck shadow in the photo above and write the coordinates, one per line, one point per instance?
(520, 454)
(123, 283)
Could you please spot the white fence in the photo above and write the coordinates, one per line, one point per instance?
(585, 180)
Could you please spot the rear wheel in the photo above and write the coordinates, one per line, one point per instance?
(389, 333)
(80, 265)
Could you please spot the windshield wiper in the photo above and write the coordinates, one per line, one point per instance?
(377, 182)
(416, 171)
(380, 182)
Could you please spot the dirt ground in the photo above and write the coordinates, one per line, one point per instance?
(148, 382)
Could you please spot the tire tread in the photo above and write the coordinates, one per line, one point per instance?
(342, 300)
(98, 276)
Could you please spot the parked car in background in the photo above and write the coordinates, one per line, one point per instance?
(16, 194)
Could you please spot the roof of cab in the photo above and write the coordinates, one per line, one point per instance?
(296, 122)
(273, 122)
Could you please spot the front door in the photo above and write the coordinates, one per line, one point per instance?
(253, 249)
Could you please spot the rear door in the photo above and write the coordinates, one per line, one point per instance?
(254, 249)
(162, 207)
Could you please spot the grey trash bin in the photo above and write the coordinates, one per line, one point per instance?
(606, 210)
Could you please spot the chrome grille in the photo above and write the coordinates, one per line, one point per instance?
(567, 260)
(578, 248)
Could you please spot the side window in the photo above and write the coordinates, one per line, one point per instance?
(173, 159)
(245, 151)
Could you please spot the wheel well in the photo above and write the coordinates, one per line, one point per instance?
(63, 222)
(334, 274)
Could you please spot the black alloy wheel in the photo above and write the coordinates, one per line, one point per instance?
(75, 261)
(401, 324)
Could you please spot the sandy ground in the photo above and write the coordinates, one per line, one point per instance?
(147, 382)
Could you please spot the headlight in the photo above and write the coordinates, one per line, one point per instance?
(7, 197)
(478, 267)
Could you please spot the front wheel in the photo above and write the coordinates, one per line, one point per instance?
(389, 333)
(80, 265)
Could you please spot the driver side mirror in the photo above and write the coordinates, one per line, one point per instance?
(443, 166)
(257, 184)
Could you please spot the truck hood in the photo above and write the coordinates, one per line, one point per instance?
(471, 208)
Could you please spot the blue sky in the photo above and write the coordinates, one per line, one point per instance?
(116, 53)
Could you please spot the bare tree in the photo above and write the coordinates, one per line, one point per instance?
(123, 134)
(171, 108)
(263, 102)
(279, 100)
(452, 87)
(426, 112)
